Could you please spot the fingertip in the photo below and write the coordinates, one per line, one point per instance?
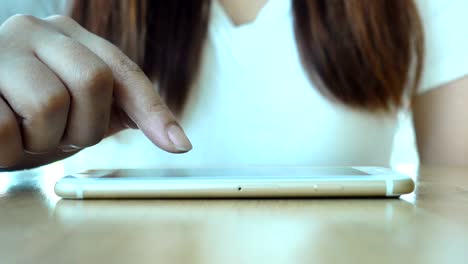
(167, 134)
(178, 138)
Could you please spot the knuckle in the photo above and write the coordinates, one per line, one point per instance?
(97, 80)
(64, 23)
(61, 20)
(158, 107)
(123, 64)
(21, 21)
(52, 105)
(64, 41)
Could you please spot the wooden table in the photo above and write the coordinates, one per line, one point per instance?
(428, 226)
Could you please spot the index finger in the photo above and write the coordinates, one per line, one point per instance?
(133, 91)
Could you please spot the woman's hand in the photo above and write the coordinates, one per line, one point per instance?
(63, 88)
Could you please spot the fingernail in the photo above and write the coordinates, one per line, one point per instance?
(69, 148)
(178, 138)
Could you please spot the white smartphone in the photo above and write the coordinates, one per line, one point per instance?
(235, 182)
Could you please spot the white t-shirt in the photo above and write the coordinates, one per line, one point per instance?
(254, 105)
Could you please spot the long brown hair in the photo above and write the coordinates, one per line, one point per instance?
(366, 54)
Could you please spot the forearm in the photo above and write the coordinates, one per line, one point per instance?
(441, 125)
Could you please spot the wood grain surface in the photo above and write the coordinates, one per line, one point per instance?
(427, 226)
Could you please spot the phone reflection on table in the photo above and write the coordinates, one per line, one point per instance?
(209, 231)
(71, 212)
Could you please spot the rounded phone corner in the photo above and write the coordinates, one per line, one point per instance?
(403, 186)
(65, 190)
